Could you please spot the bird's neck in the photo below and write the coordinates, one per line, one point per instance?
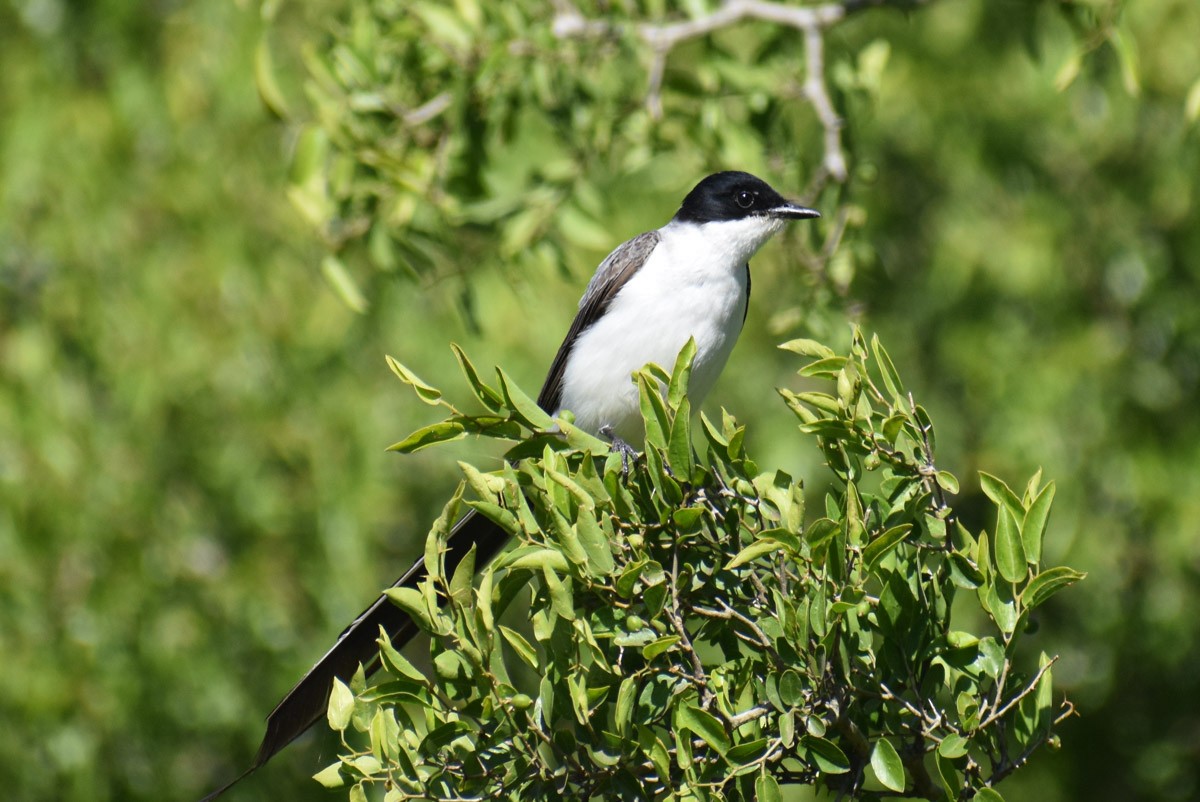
(725, 245)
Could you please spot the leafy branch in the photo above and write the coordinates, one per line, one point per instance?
(691, 628)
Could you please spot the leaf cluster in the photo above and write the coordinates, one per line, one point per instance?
(474, 133)
(688, 630)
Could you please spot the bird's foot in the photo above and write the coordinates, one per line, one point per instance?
(627, 452)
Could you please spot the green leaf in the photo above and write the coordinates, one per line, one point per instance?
(341, 706)
(487, 396)
(688, 518)
(952, 746)
(988, 795)
(991, 657)
(1127, 56)
(654, 413)
(521, 646)
(1047, 583)
(653, 747)
(947, 481)
(426, 436)
(1010, 554)
(821, 401)
(766, 788)
(1000, 493)
(679, 449)
(1002, 606)
(443, 24)
(367, 765)
(888, 767)
(758, 548)
(948, 775)
(264, 79)
(583, 441)
(745, 752)
(578, 493)
(1033, 529)
(483, 600)
(791, 688)
(1044, 698)
(497, 515)
(808, 348)
(1191, 105)
(561, 598)
(430, 395)
(703, 724)
(331, 776)
(379, 732)
(395, 662)
(343, 283)
(596, 545)
(828, 368)
(826, 755)
(878, 548)
(525, 408)
(487, 487)
(623, 712)
(787, 728)
(891, 379)
(411, 601)
(963, 572)
(464, 575)
(657, 647)
(681, 375)
(533, 559)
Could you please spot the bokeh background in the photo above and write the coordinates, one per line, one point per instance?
(217, 217)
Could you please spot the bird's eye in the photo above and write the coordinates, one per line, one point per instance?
(745, 199)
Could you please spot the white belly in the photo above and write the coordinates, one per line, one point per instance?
(676, 295)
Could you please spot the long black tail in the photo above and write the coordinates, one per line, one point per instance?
(306, 702)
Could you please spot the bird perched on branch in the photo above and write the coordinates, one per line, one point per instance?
(688, 279)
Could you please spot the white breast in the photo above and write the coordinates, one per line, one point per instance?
(694, 284)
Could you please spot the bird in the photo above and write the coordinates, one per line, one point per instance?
(687, 279)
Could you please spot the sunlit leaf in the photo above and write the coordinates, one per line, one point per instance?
(1010, 554)
(703, 724)
(826, 755)
(340, 707)
(1033, 530)
(1047, 583)
(886, 764)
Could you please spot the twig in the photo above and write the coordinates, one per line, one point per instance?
(699, 676)
(834, 162)
(1028, 689)
(427, 110)
(662, 38)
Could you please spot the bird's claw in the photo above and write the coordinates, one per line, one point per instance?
(627, 452)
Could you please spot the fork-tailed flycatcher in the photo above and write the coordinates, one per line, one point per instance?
(688, 279)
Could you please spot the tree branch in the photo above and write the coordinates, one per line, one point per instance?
(662, 38)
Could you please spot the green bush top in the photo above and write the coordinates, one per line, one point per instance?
(694, 632)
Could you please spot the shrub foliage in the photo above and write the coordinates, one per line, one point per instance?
(694, 632)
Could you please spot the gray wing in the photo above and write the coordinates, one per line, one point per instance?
(612, 274)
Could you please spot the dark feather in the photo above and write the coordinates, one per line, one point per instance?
(612, 274)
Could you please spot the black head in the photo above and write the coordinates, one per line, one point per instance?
(735, 195)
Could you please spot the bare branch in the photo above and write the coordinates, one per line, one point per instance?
(428, 110)
(814, 89)
(1028, 689)
(662, 38)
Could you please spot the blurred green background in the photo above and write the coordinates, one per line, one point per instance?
(194, 492)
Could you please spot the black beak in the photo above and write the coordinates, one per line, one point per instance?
(793, 211)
